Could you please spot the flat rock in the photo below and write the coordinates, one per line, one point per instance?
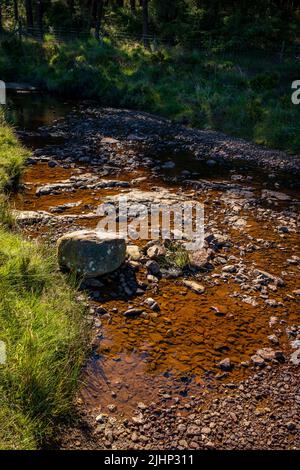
(264, 276)
(194, 286)
(133, 312)
(31, 217)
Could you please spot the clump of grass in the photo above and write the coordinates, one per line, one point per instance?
(12, 157)
(176, 256)
(7, 219)
(45, 333)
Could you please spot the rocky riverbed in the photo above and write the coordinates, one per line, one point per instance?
(203, 354)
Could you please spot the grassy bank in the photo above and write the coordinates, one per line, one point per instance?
(41, 324)
(246, 95)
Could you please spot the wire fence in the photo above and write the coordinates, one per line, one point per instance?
(190, 42)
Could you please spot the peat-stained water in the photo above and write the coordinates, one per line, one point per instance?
(28, 111)
(174, 352)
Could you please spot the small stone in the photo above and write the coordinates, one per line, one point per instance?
(291, 426)
(153, 267)
(225, 364)
(183, 443)
(257, 360)
(133, 312)
(295, 357)
(273, 339)
(101, 418)
(205, 430)
(133, 252)
(151, 303)
(229, 268)
(138, 419)
(152, 278)
(273, 321)
(194, 286)
(134, 437)
(112, 407)
(193, 430)
(142, 406)
(199, 259)
(156, 251)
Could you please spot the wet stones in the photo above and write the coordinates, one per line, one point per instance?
(155, 251)
(225, 365)
(218, 240)
(200, 259)
(257, 360)
(54, 188)
(79, 182)
(151, 303)
(263, 277)
(273, 339)
(153, 268)
(294, 260)
(171, 273)
(229, 268)
(133, 312)
(266, 355)
(89, 253)
(63, 207)
(194, 286)
(168, 165)
(274, 195)
(31, 217)
(133, 252)
(295, 357)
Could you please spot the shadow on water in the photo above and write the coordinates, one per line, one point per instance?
(29, 111)
(184, 165)
(174, 352)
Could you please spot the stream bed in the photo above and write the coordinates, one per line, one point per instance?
(172, 354)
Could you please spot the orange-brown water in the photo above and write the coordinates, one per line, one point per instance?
(175, 352)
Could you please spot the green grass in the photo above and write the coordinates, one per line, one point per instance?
(41, 323)
(12, 157)
(246, 95)
(176, 256)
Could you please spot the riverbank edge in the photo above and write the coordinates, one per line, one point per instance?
(253, 104)
(43, 332)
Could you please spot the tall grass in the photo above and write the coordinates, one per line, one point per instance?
(246, 95)
(12, 157)
(42, 325)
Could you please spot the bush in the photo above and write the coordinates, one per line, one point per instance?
(224, 91)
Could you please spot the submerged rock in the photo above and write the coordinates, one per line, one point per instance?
(194, 286)
(133, 312)
(225, 364)
(90, 253)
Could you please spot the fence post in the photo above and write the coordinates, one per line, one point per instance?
(20, 29)
(282, 50)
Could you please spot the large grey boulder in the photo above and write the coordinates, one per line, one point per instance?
(90, 253)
